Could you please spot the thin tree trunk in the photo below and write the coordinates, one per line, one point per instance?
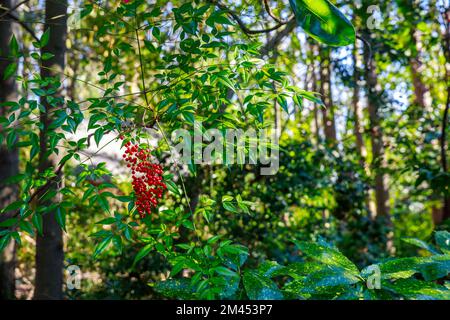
(356, 110)
(376, 135)
(445, 119)
(420, 88)
(313, 87)
(329, 125)
(9, 160)
(49, 246)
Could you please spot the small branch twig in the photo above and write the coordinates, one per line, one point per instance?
(23, 25)
(270, 13)
(242, 25)
(7, 12)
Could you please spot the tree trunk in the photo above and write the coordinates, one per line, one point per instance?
(356, 109)
(445, 119)
(419, 86)
(49, 246)
(9, 160)
(376, 135)
(329, 125)
(312, 86)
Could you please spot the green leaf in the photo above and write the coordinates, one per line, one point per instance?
(117, 241)
(172, 187)
(8, 222)
(320, 281)
(417, 289)
(26, 226)
(110, 220)
(4, 241)
(61, 218)
(421, 244)
(188, 224)
(143, 253)
(101, 246)
(47, 56)
(259, 287)
(269, 268)
(37, 222)
(327, 255)
(323, 22)
(443, 241)
(225, 271)
(174, 288)
(10, 70)
(12, 206)
(14, 47)
(44, 38)
(431, 268)
(227, 83)
(98, 135)
(230, 207)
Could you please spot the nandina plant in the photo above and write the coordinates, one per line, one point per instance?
(147, 177)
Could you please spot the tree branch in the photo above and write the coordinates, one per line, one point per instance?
(23, 25)
(270, 13)
(276, 40)
(7, 12)
(241, 24)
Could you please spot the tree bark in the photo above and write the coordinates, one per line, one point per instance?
(9, 160)
(49, 246)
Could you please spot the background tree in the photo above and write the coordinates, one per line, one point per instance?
(49, 244)
(9, 157)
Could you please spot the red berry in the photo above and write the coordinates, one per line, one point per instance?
(146, 178)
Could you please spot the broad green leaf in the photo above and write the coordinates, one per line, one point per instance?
(259, 287)
(269, 268)
(323, 22)
(225, 271)
(421, 244)
(432, 268)
(327, 255)
(174, 288)
(318, 282)
(417, 289)
(443, 241)
(329, 282)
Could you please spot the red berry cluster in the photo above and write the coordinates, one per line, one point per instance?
(147, 179)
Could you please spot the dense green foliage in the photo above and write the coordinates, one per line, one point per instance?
(137, 72)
